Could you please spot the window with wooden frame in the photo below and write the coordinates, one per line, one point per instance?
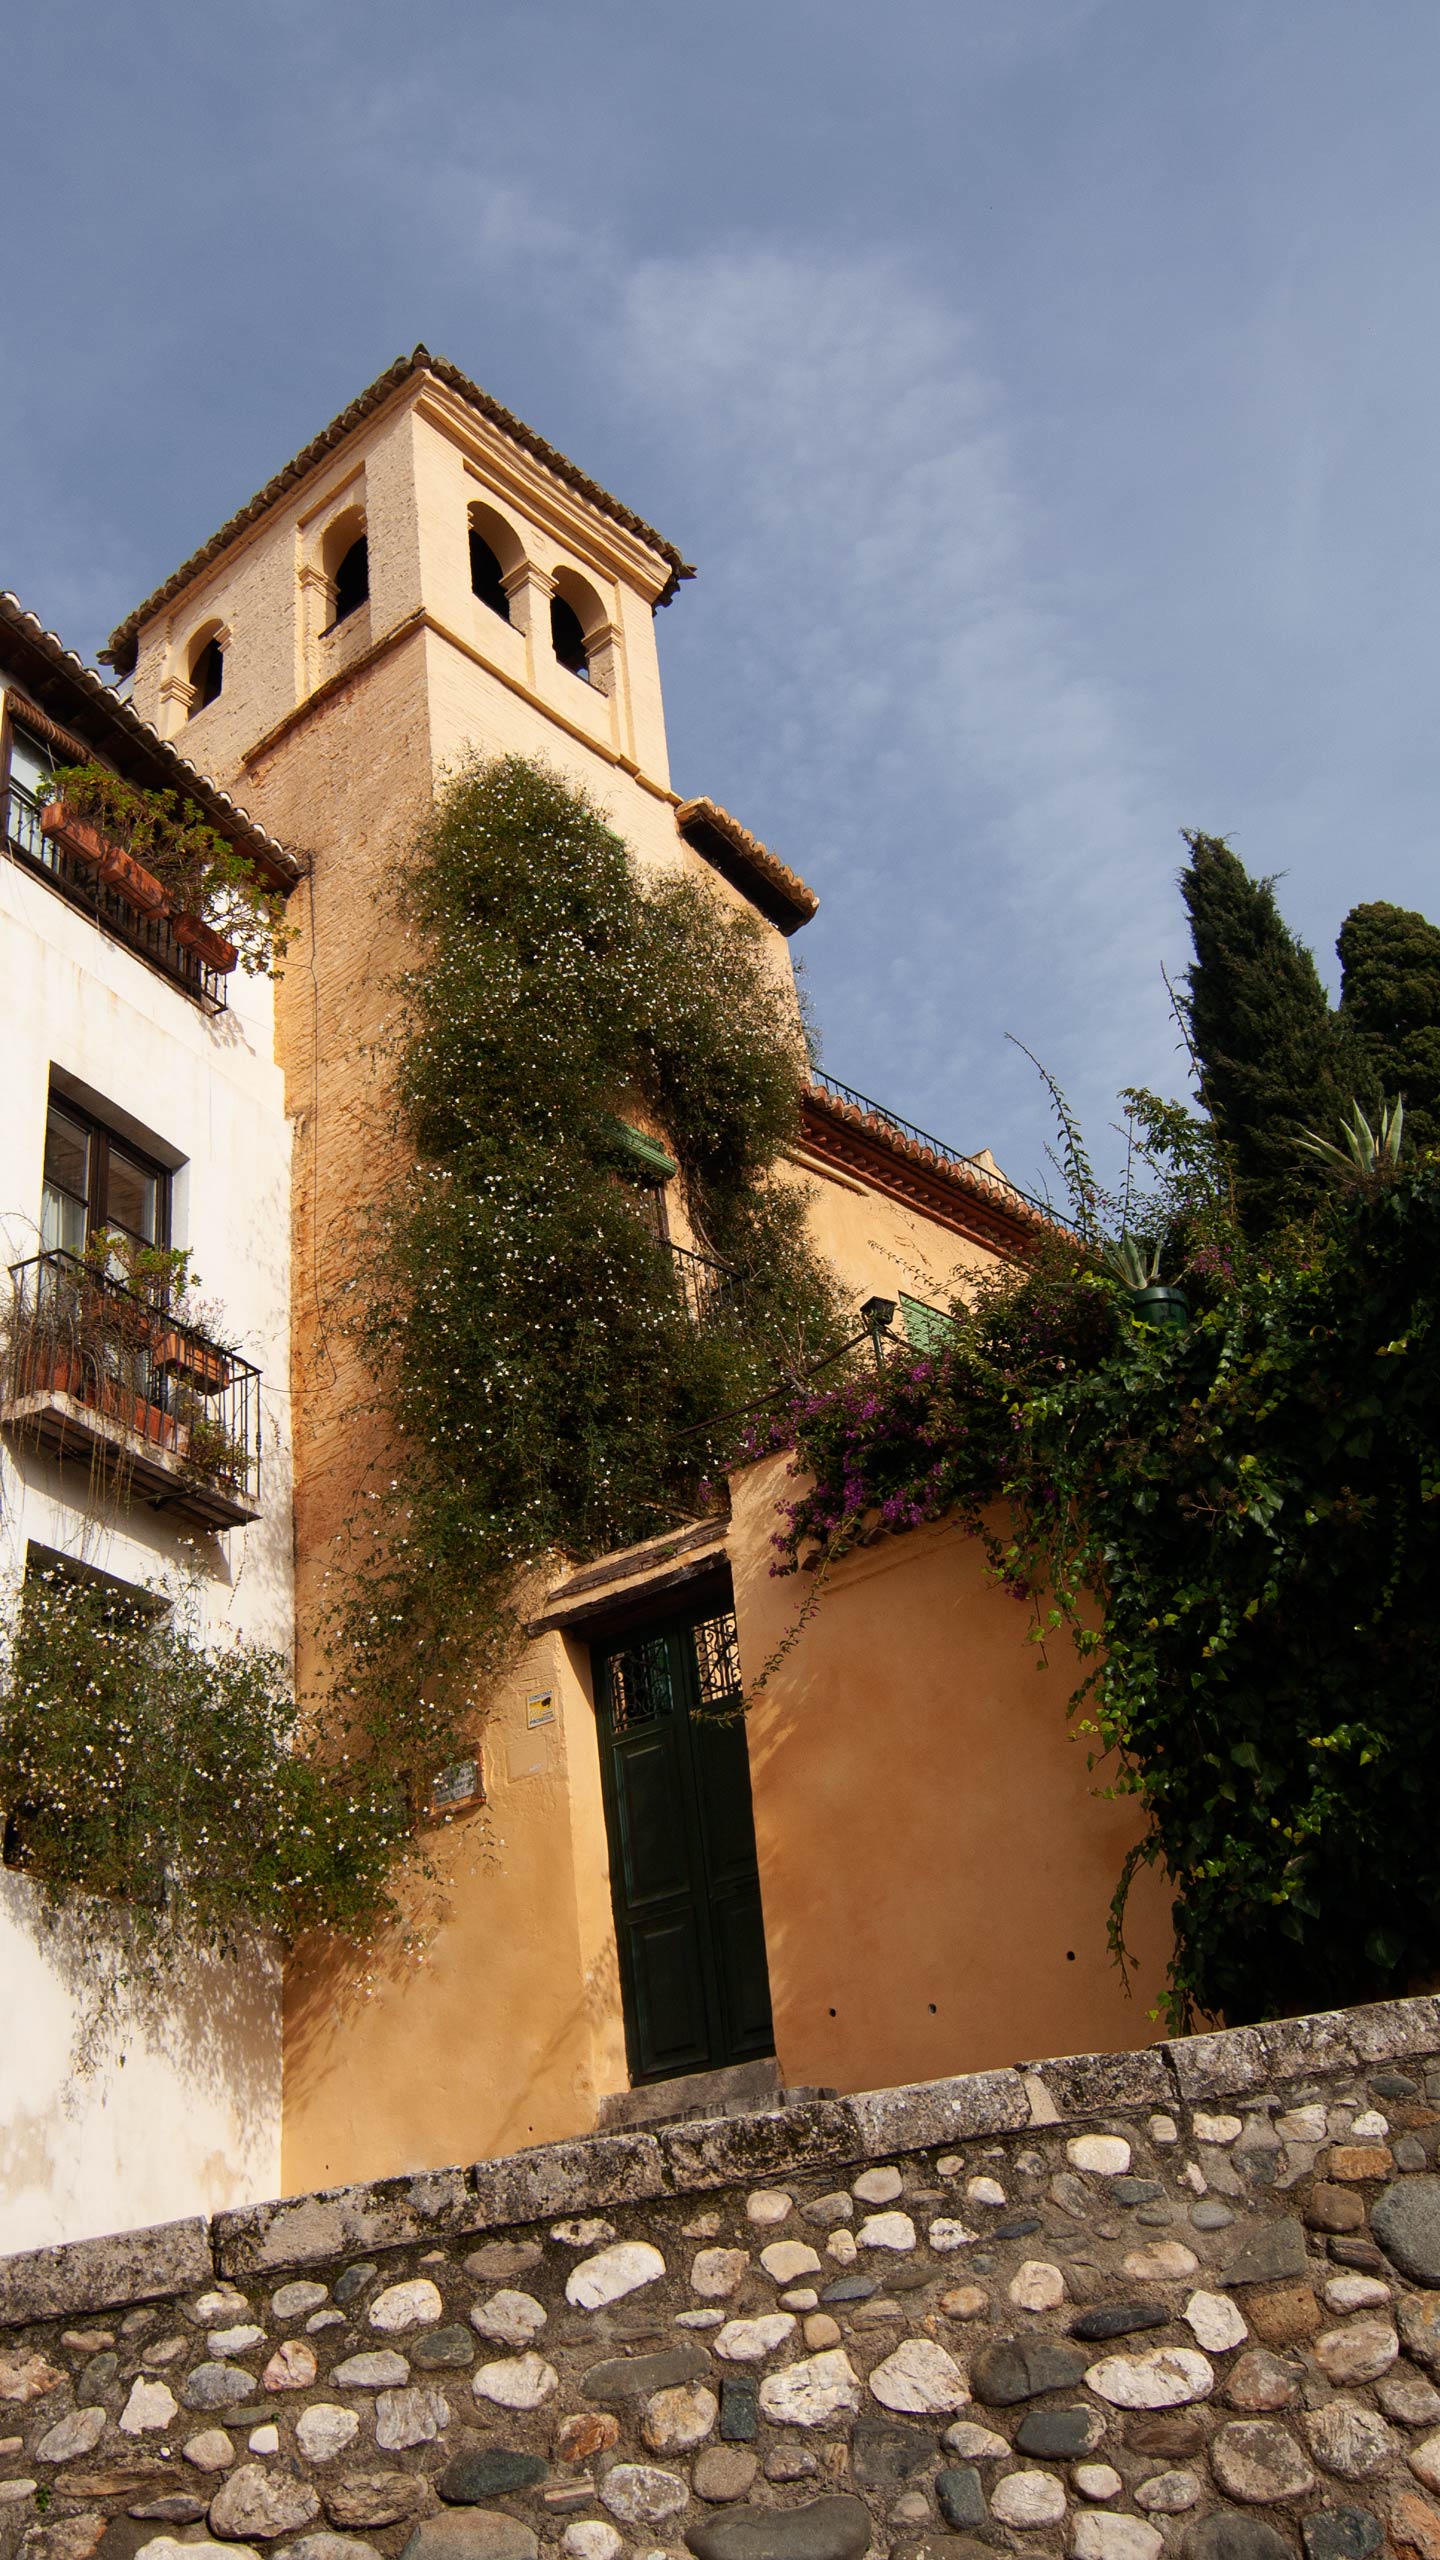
(97, 1183)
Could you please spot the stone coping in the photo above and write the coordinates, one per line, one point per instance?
(690, 2159)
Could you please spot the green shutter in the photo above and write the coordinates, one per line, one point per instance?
(926, 1328)
(648, 1158)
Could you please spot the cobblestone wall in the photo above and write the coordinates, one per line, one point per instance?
(1186, 2300)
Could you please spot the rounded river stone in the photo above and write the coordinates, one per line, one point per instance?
(1224, 2535)
(472, 2533)
(372, 2498)
(1406, 2222)
(1117, 2319)
(353, 2280)
(623, 2378)
(217, 2386)
(256, 2505)
(1342, 2533)
(488, 2471)
(1060, 2435)
(884, 2455)
(960, 2496)
(443, 2347)
(828, 2529)
(1011, 2369)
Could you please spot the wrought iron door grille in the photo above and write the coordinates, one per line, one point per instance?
(717, 1661)
(640, 1685)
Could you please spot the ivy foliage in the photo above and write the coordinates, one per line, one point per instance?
(140, 1765)
(547, 1382)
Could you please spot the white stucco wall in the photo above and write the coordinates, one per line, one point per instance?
(179, 2109)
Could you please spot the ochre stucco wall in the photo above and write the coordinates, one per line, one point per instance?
(879, 1245)
(935, 1864)
(928, 1833)
(493, 2020)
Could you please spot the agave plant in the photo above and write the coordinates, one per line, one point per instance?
(1363, 1152)
(1134, 1263)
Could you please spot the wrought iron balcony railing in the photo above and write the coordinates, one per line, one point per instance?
(709, 1288)
(98, 1372)
(153, 937)
(985, 1175)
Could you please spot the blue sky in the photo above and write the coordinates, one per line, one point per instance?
(1046, 390)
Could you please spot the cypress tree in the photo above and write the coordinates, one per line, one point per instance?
(1273, 1059)
(1390, 1005)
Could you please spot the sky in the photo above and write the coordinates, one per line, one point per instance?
(1046, 391)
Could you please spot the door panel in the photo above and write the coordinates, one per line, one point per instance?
(684, 1877)
(650, 1792)
(744, 1975)
(722, 1777)
(667, 1973)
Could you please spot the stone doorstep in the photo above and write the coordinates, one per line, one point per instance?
(804, 2132)
(747, 2088)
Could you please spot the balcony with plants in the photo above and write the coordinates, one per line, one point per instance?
(109, 1361)
(149, 868)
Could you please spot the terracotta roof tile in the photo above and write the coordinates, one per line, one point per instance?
(779, 893)
(85, 702)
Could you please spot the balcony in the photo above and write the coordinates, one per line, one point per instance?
(152, 937)
(101, 1375)
(709, 1288)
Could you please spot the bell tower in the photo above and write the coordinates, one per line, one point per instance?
(427, 581)
(425, 525)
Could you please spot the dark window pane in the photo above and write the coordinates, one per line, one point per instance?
(31, 765)
(717, 1661)
(208, 674)
(640, 1685)
(352, 579)
(487, 577)
(67, 1154)
(131, 1196)
(567, 638)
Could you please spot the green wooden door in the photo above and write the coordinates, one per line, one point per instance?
(683, 1870)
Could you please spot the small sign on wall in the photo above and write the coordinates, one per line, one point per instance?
(540, 1707)
(460, 1784)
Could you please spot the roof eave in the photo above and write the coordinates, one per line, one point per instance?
(101, 718)
(783, 898)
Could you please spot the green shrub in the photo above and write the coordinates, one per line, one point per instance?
(546, 1387)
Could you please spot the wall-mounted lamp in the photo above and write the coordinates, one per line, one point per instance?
(877, 1316)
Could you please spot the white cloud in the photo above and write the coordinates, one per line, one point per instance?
(883, 667)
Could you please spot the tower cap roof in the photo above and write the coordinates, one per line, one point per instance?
(122, 647)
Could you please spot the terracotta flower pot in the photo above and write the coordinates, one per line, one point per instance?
(50, 1364)
(137, 886)
(74, 833)
(198, 1363)
(137, 1413)
(194, 934)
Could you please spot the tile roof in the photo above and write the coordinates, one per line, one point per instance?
(778, 892)
(120, 650)
(963, 1192)
(79, 699)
